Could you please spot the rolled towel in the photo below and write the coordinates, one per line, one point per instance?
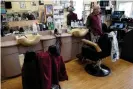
(80, 33)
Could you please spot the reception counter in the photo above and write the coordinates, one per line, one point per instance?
(10, 50)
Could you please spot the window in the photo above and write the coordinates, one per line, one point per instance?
(78, 8)
(127, 7)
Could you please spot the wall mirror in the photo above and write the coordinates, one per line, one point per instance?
(20, 10)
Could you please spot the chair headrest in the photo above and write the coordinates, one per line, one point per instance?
(53, 50)
(29, 56)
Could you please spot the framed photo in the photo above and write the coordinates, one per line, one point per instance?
(22, 5)
(49, 9)
(41, 2)
(33, 3)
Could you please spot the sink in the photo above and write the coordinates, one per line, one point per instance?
(77, 32)
(28, 40)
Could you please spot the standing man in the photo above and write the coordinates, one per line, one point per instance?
(94, 23)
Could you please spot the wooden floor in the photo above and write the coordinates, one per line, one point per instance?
(120, 78)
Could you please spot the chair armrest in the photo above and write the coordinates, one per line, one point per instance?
(98, 49)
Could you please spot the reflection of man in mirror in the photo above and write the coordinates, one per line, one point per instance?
(71, 16)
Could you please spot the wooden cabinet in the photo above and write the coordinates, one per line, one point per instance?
(66, 51)
(74, 50)
(80, 46)
(71, 46)
(76, 47)
(8, 50)
(11, 65)
(66, 48)
(47, 43)
(37, 47)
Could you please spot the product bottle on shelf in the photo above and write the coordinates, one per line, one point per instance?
(52, 26)
(81, 23)
(49, 27)
(44, 26)
(78, 24)
(75, 24)
(34, 28)
(38, 27)
(72, 24)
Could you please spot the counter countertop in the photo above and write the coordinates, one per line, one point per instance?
(9, 43)
(46, 37)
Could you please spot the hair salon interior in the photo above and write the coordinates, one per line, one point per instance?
(66, 44)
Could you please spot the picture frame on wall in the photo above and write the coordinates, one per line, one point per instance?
(33, 3)
(41, 2)
(22, 5)
(49, 9)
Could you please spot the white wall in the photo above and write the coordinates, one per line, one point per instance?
(79, 8)
(28, 7)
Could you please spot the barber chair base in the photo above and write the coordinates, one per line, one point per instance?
(97, 71)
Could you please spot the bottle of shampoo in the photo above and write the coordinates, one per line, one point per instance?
(34, 28)
(52, 26)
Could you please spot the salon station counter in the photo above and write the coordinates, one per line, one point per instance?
(10, 50)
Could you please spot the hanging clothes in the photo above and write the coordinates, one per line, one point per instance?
(43, 70)
(115, 48)
(31, 78)
(52, 69)
(54, 79)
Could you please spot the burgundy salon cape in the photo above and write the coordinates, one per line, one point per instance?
(46, 63)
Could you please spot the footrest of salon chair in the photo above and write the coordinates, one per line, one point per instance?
(96, 71)
(79, 56)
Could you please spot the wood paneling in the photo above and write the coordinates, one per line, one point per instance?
(121, 77)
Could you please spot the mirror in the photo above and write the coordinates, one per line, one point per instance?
(20, 10)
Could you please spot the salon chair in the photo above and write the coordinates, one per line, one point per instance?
(95, 52)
